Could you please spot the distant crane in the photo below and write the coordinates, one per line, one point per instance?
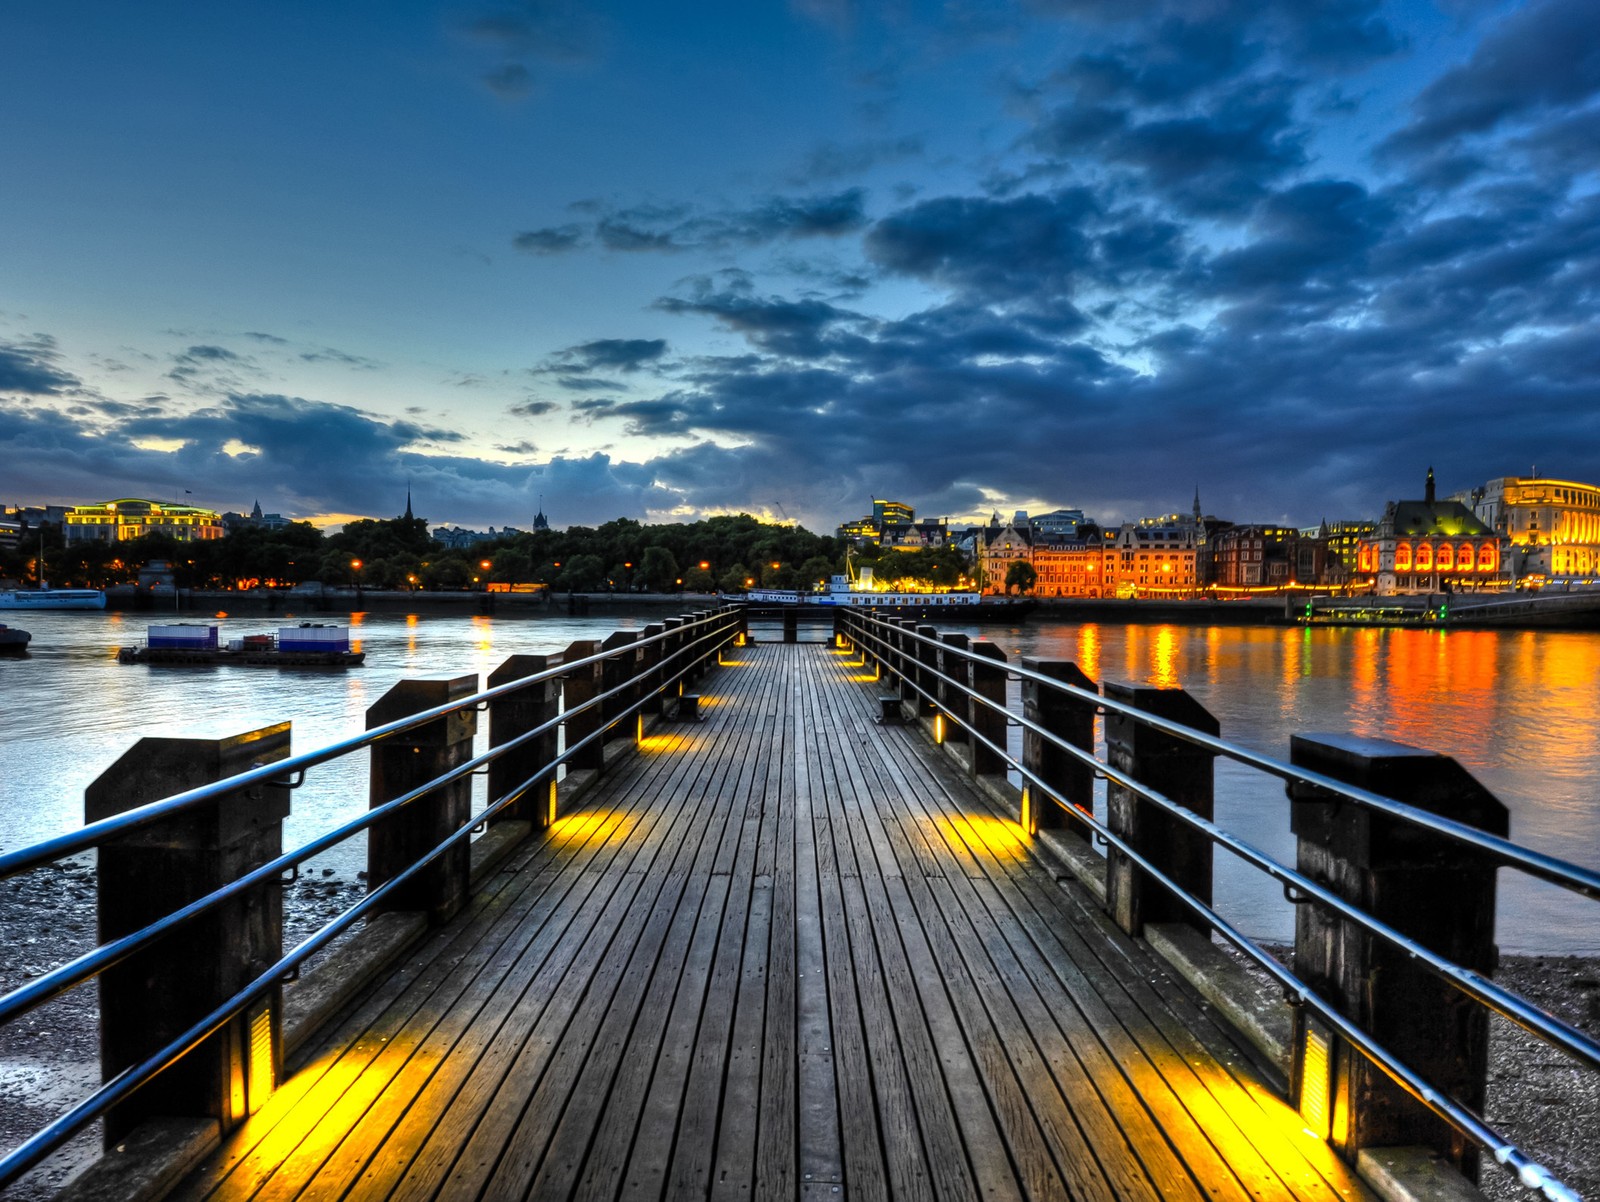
(782, 510)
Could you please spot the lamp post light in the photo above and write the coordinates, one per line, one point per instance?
(484, 565)
(355, 568)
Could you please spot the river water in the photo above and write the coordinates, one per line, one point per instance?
(1518, 709)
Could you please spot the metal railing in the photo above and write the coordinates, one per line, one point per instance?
(903, 653)
(678, 654)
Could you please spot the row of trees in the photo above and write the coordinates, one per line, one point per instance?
(728, 553)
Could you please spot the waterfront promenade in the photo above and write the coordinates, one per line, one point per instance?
(783, 952)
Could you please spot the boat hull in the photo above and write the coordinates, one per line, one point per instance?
(263, 658)
(53, 598)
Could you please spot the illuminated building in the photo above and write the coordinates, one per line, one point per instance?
(1070, 569)
(997, 547)
(1058, 522)
(1431, 546)
(890, 523)
(1553, 526)
(1261, 556)
(1154, 557)
(131, 517)
(1344, 547)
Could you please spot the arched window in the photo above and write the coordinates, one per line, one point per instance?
(1446, 558)
(1487, 559)
(1402, 557)
(1424, 557)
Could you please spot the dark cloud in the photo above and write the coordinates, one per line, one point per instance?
(1215, 162)
(534, 408)
(1014, 247)
(1541, 57)
(510, 80)
(675, 228)
(271, 338)
(328, 354)
(208, 354)
(32, 367)
(616, 354)
(554, 240)
(588, 384)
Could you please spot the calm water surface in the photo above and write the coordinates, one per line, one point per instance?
(1518, 709)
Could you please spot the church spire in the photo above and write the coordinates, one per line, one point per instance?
(409, 518)
(1197, 503)
(1427, 495)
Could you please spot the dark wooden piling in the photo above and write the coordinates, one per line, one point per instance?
(511, 716)
(579, 685)
(616, 673)
(988, 721)
(157, 993)
(1428, 887)
(955, 670)
(1067, 780)
(1181, 772)
(405, 762)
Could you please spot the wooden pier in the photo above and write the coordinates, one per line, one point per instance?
(782, 952)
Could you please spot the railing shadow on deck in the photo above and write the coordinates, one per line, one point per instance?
(1390, 984)
(188, 836)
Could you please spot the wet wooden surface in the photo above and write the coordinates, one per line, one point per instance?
(781, 953)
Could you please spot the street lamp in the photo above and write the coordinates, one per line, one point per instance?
(355, 567)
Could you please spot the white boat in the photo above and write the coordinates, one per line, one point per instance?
(53, 598)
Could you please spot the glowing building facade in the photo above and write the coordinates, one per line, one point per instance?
(1553, 526)
(132, 517)
(1431, 546)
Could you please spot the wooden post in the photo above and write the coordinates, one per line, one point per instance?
(905, 666)
(951, 699)
(671, 661)
(146, 874)
(516, 714)
(927, 657)
(1179, 771)
(614, 673)
(1068, 781)
(650, 657)
(577, 686)
(791, 625)
(404, 762)
(989, 681)
(1432, 890)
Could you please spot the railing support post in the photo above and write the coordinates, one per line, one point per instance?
(989, 721)
(791, 625)
(905, 653)
(650, 671)
(952, 701)
(1181, 772)
(146, 874)
(615, 673)
(927, 657)
(400, 764)
(1429, 888)
(1068, 781)
(513, 715)
(578, 686)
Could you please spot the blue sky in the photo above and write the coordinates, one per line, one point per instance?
(783, 257)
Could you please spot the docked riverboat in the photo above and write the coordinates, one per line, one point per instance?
(308, 645)
(13, 641)
(52, 598)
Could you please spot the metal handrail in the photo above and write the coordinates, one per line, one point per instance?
(91, 834)
(27, 1154)
(1574, 877)
(1537, 1021)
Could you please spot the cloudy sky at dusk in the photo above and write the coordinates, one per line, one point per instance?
(660, 261)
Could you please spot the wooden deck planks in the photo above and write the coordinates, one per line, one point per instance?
(785, 953)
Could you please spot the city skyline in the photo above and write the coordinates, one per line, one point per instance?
(782, 258)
